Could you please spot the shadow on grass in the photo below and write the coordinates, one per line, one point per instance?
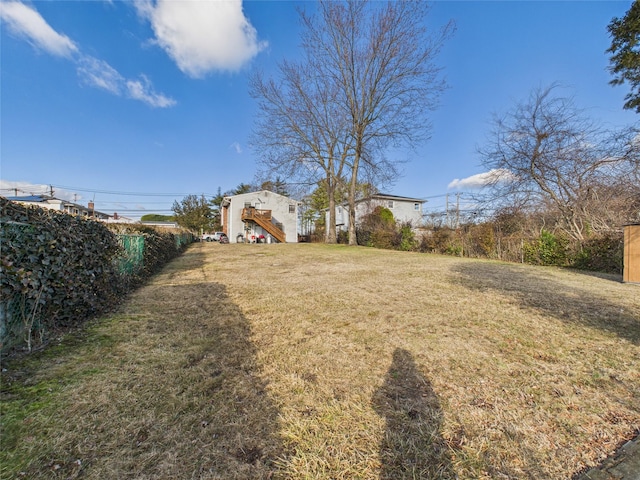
(175, 393)
(193, 258)
(228, 427)
(569, 304)
(412, 446)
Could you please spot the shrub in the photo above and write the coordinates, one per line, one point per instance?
(602, 254)
(377, 229)
(481, 241)
(438, 241)
(404, 238)
(547, 249)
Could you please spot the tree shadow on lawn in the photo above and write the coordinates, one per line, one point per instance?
(228, 416)
(569, 304)
(412, 446)
(175, 393)
(192, 259)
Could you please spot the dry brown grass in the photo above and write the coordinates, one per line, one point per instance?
(330, 362)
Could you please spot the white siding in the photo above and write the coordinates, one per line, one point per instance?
(404, 210)
(263, 200)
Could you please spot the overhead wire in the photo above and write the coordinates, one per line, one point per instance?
(139, 194)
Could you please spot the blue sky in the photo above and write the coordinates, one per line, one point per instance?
(138, 104)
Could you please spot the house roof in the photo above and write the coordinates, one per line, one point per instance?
(227, 198)
(158, 224)
(54, 201)
(385, 196)
(29, 198)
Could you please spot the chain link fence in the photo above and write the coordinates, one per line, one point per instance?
(132, 258)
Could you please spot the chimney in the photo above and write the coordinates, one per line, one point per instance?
(91, 207)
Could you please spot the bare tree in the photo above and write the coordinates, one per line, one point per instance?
(546, 152)
(380, 57)
(299, 131)
(367, 81)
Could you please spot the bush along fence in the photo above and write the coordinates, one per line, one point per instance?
(603, 253)
(505, 240)
(59, 270)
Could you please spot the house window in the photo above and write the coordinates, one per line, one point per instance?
(292, 209)
(416, 207)
(247, 204)
(390, 204)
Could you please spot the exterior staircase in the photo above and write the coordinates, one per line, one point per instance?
(263, 218)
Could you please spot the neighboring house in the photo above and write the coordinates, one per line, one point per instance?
(52, 203)
(160, 224)
(404, 209)
(116, 218)
(260, 213)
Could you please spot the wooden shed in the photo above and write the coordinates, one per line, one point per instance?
(631, 253)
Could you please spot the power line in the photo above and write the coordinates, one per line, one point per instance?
(45, 191)
(126, 210)
(139, 194)
(31, 191)
(441, 195)
(117, 202)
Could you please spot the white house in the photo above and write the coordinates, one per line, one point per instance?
(52, 203)
(265, 213)
(404, 209)
(160, 224)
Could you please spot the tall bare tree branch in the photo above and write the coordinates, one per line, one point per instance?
(552, 155)
(367, 81)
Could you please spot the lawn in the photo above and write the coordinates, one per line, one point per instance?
(332, 362)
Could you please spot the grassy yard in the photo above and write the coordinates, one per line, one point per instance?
(330, 362)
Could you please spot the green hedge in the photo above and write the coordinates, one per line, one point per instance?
(59, 270)
(158, 248)
(547, 249)
(602, 254)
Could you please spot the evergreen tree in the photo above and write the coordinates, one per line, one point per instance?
(625, 54)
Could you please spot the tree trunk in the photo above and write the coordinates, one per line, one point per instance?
(353, 239)
(330, 227)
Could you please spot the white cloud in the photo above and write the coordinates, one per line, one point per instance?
(26, 22)
(98, 73)
(11, 189)
(236, 146)
(480, 180)
(143, 91)
(203, 36)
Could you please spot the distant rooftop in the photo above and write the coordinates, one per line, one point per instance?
(29, 198)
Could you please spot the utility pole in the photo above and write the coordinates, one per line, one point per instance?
(51, 190)
(447, 211)
(457, 210)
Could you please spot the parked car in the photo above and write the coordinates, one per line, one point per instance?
(213, 237)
